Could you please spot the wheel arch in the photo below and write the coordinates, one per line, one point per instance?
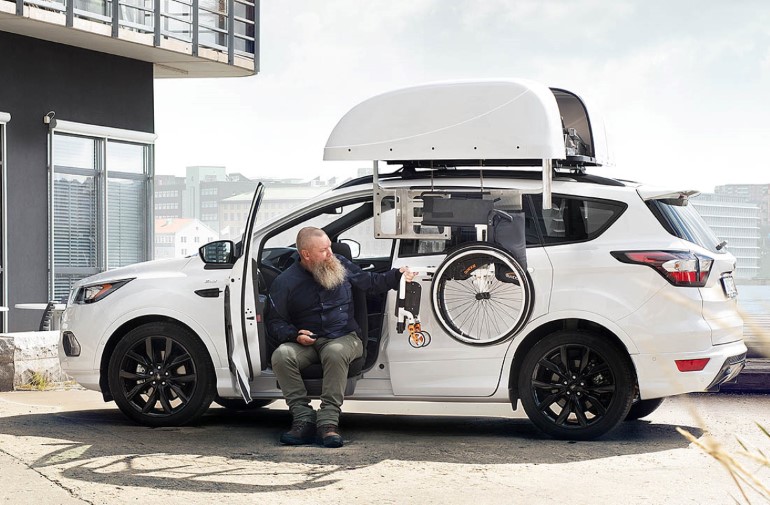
(122, 331)
(545, 329)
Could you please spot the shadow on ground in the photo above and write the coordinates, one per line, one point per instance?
(230, 452)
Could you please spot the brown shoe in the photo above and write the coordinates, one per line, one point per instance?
(301, 433)
(329, 436)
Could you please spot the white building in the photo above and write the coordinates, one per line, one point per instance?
(736, 221)
(181, 237)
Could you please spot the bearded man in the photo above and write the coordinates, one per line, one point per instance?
(311, 317)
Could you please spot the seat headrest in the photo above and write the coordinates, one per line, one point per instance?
(342, 249)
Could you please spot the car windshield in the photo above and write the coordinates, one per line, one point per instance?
(683, 221)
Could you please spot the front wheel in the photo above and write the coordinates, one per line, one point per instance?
(576, 385)
(161, 374)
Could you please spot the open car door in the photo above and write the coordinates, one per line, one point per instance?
(241, 315)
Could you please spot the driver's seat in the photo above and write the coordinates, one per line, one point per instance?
(313, 374)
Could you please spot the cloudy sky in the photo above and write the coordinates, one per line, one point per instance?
(683, 87)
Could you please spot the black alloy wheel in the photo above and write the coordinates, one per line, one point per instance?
(576, 385)
(161, 374)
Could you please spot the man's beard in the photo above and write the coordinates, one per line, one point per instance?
(329, 274)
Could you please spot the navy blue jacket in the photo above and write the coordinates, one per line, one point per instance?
(298, 302)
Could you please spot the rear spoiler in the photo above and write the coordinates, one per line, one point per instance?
(681, 197)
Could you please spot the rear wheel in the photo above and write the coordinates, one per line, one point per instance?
(576, 385)
(161, 374)
(643, 408)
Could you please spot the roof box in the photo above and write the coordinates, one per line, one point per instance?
(516, 122)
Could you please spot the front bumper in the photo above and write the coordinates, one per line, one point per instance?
(659, 376)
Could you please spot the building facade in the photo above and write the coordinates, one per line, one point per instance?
(169, 193)
(177, 238)
(77, 130)
(736, 221)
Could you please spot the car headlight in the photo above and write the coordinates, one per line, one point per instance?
(95, 292)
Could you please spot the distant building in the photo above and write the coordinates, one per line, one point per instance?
(735, 220)
(169, 193)
(758, 194)
(175, 238)
(205, 187)
(281, 195)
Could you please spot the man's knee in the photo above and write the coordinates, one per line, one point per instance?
(284, 355)
(341, 353)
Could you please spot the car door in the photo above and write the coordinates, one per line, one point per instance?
(446, 366)
(241, 315)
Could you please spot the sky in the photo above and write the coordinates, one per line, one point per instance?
(683, 87)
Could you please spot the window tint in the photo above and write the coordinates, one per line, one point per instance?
(574, 219)
(461, 234)
(683, 221)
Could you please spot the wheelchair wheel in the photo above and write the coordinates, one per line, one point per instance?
(480, 295)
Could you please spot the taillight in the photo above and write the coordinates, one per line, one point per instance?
(680, 268)
(691, 365)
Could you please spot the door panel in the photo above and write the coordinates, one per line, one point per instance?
(447, 367)
(241, 310)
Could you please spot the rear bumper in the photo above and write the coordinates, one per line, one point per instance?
(659, 376)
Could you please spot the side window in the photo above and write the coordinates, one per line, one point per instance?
(426, 247)
(363, 234)
(574, 219)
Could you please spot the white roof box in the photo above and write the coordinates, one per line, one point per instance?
(516, 122)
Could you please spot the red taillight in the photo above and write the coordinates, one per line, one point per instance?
(691, 365)
(680, 268)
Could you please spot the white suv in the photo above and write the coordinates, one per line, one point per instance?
(616, 295)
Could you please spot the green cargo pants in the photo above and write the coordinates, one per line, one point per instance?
(335, 355)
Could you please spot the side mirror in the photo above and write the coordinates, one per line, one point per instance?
(221, 252)
(355, 247)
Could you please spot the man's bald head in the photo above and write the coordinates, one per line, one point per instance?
(307, 236)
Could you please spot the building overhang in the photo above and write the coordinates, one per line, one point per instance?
(171, 58)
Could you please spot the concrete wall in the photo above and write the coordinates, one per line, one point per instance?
(81, 86)
(27, 353)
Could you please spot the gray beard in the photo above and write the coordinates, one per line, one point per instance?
(329, 274)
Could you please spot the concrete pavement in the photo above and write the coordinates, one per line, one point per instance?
(70, 447)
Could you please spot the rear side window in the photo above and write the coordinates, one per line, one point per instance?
(683, 221)
(574, 219)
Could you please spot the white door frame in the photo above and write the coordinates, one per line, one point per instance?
(4, 118)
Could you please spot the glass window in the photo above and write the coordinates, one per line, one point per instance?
(683, 221)
(574, 219)
(100, 207)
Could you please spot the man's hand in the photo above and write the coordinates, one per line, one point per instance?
(408, 274)
(305, 337)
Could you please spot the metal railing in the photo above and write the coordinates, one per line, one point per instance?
(229, 26)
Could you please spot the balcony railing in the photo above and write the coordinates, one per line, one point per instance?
(226, 26)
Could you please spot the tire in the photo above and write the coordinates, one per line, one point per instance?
(480, 295)
(161, 374)
(643, 408)
(576, 385)
(240, 404)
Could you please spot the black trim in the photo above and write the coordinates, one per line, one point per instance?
(208, 293)
(440, 172)
(217, 266)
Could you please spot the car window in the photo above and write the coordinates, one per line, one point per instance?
(683, 221)
(288, 237)
(369, 246)
(574, 219)
(460, 235)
